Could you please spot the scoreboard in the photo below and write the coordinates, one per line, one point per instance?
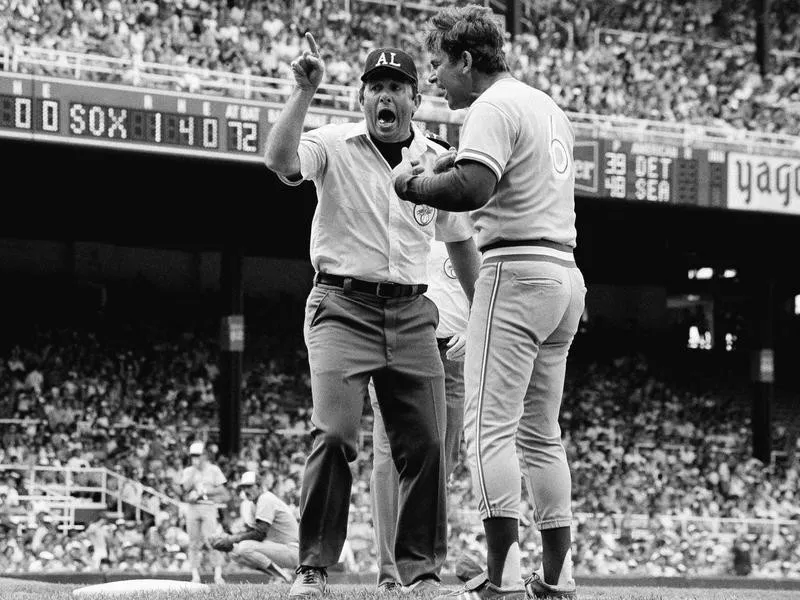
(118, 116)
(649, 172)
(88, 113)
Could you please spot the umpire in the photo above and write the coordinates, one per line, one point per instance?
(366, 316)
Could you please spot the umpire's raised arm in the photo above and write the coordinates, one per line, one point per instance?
(283, 140)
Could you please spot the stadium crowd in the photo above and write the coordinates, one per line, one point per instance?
(678, 61)
(655, 459)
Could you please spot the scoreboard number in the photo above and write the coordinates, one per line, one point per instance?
(243, 136)
(210, 135)
(22, 113)
(28, 113)
(615, 173)
(157, 128)
(186, 127)
(50, 116)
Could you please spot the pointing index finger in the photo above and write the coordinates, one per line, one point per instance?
(312, 44)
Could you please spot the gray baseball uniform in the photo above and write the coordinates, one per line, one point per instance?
(528, 302)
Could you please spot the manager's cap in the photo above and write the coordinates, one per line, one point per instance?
(389, 60)
(196, 449)
(248, 478)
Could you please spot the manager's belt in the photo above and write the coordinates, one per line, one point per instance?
(535, 250)
(383, 289)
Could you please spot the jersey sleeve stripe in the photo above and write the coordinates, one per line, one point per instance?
(482, 158)
(291, 182)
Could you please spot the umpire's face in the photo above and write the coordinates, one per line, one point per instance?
(389, 103)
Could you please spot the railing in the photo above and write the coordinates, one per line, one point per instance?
(685, 134)
(627, 35)
(67, 504)
(135, 493)
(73, 65)
(56, 488)
(716, 526)
(76, 65)
(428, 7)
(22, 422)
(399, 5)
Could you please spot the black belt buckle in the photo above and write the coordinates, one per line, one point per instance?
(386, 285)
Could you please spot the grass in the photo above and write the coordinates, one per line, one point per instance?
(11, 589)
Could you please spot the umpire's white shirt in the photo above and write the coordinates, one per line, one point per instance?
(361, 228)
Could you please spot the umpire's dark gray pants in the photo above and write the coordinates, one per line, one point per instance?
(351, 338)
(384, 479)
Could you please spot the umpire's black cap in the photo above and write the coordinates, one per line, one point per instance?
(390, 59)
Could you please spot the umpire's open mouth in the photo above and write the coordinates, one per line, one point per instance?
(386, 117)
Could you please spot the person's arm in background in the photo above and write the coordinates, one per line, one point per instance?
(225, 543)
(218, 492)
(283, 140)
(186, 487)
(466, 262)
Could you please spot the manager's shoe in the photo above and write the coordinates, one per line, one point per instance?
(537, 589)
(480, 588)
(311, 582)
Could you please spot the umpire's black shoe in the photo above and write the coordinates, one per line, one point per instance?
(388, 587)
(311, 582)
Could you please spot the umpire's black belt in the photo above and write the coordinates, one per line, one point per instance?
(384, 289)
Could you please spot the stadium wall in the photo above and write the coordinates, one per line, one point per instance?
(625, 306)
(166, 270)
(185, 272)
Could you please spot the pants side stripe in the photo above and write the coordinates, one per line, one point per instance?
(482, 386)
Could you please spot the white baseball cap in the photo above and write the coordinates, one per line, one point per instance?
(196, 449)
(248, 478)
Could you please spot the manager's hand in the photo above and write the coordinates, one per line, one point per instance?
(403, 172)
(444, 162)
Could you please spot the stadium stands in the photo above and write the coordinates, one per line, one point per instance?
(668, 61)
(122, 398)
(677, 488)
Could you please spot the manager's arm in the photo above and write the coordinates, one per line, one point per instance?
(465, 187)
(280, 153)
